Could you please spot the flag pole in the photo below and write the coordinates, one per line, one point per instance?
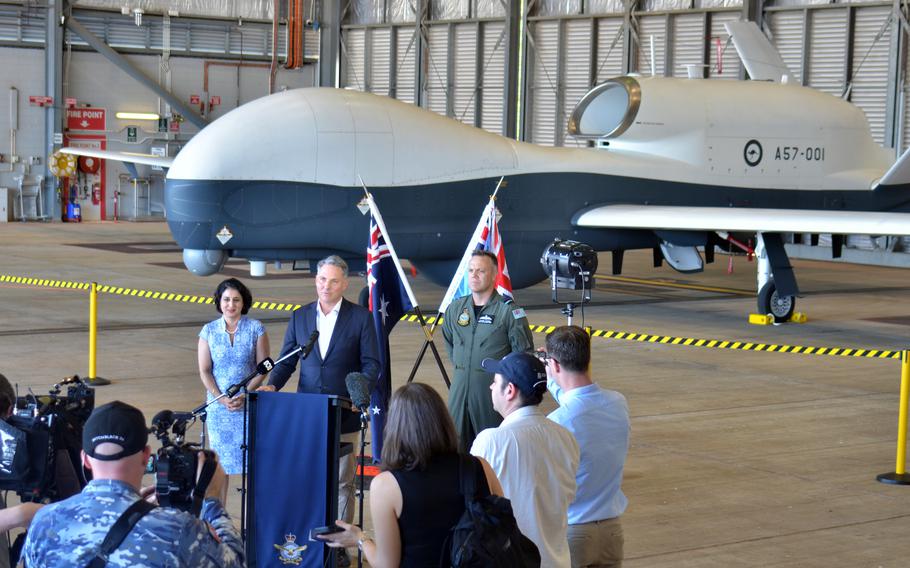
(467, 254)
(432, 345)
(465, 258)
(428, 333)
(498, 185)
(388, 241)
(450, 291)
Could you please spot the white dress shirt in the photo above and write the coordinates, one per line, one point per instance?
(325, 323)
(535, 459)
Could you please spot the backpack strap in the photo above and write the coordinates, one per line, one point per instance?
(122, 527)
(467, 473)
(202, 483)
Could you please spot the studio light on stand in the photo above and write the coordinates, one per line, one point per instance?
(571, 266)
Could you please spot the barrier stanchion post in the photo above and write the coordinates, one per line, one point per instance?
(899, 475)
(93, 379)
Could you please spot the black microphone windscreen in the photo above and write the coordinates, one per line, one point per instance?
(265, 366)
(359, 388)
(183, 416)
(311, 342)
(163, 419)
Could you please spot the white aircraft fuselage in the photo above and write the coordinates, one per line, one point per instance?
(279, 178)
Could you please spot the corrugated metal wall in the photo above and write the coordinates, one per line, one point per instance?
(438, 68)
(464, 71)
(577, 73)
(905, 95)
(380, 69)
(93, 80)
(492, 86)
(826, 62)
(353, 53)
(19, 25)
(543, 68)
(652, 33)
(787, 31)
(723, 61)
(610, 46)
(568, 50)
(688, 41)
(570, 55)
(405, 66)
(836, 48)
(870, 65)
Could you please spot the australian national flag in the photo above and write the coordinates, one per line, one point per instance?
(389, 300)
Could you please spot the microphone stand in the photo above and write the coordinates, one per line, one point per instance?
(364, 417)
(231, 392)
(235, 388)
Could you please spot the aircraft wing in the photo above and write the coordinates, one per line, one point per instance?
(744, 219)
(899, 173)
(128, 157)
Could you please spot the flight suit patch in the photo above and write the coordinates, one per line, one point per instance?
(519, 313)
(464, 318)
(486, 318)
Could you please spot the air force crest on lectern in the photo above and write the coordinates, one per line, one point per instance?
(290, 552)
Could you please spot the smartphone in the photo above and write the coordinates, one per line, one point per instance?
(318, 531)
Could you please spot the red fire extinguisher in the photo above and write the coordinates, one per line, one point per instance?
(96, 193)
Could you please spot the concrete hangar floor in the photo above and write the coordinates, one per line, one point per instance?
(738, 458)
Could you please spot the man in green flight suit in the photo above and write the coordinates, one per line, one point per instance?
(480, 325)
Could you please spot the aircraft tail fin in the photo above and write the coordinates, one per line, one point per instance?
(760, 58)
(898, 173)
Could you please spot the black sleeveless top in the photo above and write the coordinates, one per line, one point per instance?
(431, 505)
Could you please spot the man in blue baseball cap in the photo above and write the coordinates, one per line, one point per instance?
(534, 458)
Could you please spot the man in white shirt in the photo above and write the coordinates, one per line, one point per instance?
(599, 420)
(534, 458)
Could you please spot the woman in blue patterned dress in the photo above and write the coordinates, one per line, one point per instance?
(229, 348)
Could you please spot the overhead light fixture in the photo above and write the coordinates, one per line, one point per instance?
(137, 115)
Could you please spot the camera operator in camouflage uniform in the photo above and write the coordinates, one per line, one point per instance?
(115, 448)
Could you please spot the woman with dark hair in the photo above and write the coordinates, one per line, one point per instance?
(417, 499)
(229, 348)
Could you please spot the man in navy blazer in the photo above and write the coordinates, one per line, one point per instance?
(346, 344)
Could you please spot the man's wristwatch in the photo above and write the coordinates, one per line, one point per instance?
(361, 541)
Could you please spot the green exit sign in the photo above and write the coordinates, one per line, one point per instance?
(131, 132)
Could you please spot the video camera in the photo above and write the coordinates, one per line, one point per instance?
(40, 443)
(176, 462)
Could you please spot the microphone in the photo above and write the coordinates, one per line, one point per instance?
(359, 388)
(265, 366)
(167, 418)
(162, 421)
(311, 342)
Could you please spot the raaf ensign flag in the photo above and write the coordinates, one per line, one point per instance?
(390, 298)
(486, 237)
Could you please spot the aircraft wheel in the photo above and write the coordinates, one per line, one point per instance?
(364, 298)
(781, 307)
